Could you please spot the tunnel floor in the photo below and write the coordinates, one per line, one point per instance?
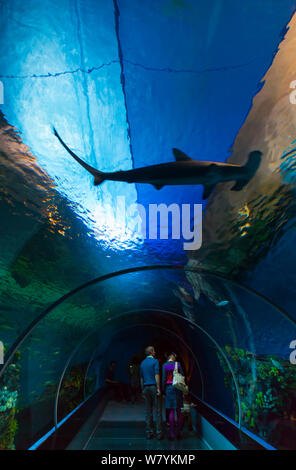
(122, 427)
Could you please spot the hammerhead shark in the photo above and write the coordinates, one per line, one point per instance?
(183, 171)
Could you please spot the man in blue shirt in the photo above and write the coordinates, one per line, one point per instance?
(150, 383)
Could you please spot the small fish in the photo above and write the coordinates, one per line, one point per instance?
(276, 364)
(183, 171)
(222, 303)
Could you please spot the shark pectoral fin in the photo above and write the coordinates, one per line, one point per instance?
(208, 188)
(239, 185)
(158, 186)
(181, 156)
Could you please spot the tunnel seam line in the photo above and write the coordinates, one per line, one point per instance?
(130, 326)
(106, 323)
(122, 77)
(150, 324)
(19, 341)
(76, 349)
(135, 64)
(85, 80)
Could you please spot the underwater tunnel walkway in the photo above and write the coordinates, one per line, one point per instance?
(212, 323)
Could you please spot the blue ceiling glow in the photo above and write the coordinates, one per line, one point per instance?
(82, 99)
(125, 81)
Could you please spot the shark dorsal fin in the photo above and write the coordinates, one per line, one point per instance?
(157, 186)
(181, 156)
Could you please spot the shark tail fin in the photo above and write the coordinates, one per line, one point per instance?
(250, 168)
(99, 178)
(98, 175)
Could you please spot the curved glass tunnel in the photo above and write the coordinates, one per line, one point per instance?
(58, 364)
(124, 82)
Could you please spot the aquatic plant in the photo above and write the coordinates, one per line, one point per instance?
(8, 405)
(71, 394)
(265, 398)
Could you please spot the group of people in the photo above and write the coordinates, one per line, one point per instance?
(145, 377)
(176, 401)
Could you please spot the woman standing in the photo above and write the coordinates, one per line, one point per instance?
(173, 396)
